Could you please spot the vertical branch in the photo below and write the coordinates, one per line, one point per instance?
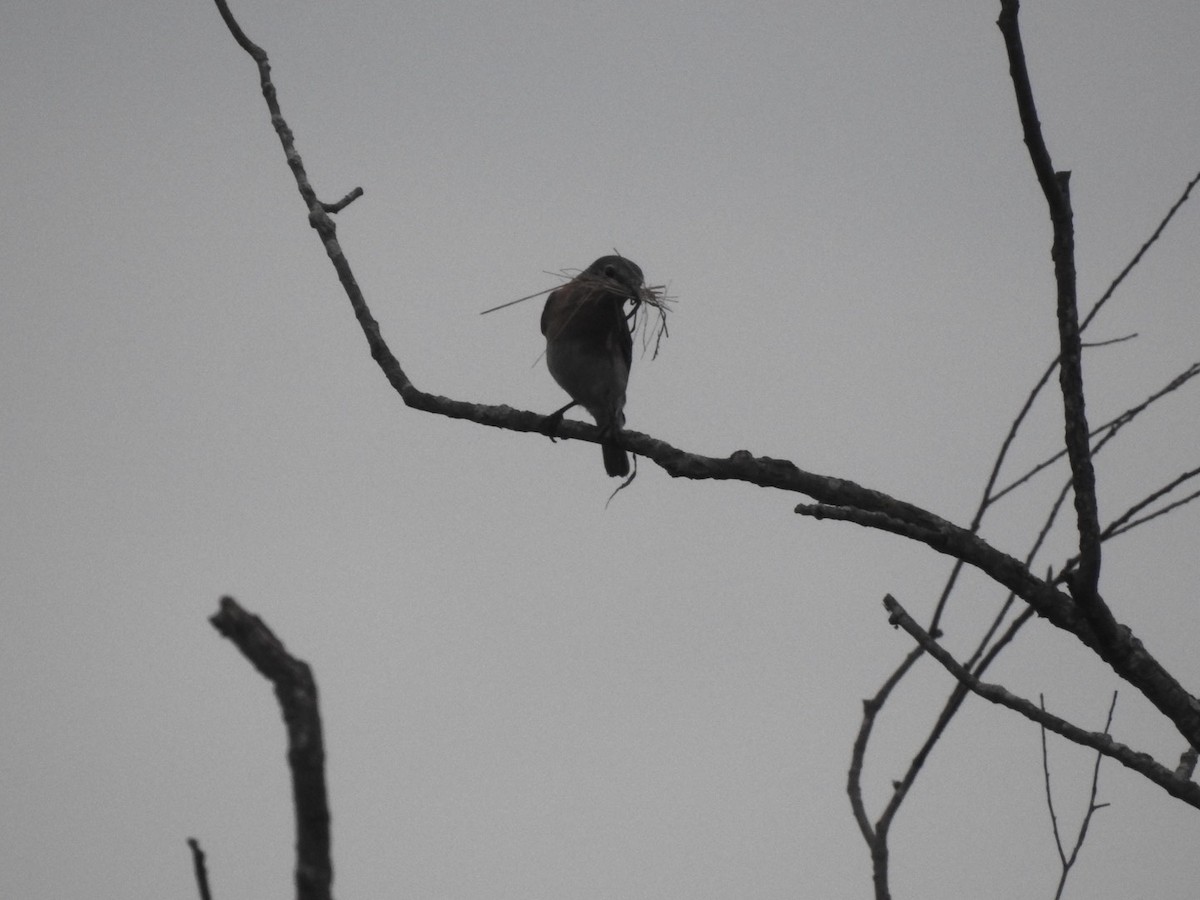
(871, 708)
(201, 869)
(297, 694)
(1058, 844)
(1066, 862)
(1055, 187)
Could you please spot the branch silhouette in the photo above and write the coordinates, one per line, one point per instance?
(1066, 861)
(201, 870)
(1142, 763)
(836, 497)
(297, 694)
(876, 835)
(1081, 610)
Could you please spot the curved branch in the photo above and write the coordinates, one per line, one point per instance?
(876, 836)
(836, 497)
(871, 708)
(297, 695)
(902, 786)
(1142, 763)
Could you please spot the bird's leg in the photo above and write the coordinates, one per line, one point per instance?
(551, 422)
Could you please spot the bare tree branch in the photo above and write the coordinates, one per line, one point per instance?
(843, 500)
(876, 837)
(871, 708)
(740, 466)
(297, 694)
(901, 787)
(1137, 257)
(1126, 520)
(1109, 429)
(1058, 844)
(1125, 653)
(1142, 763)
(1158, 512)
(1056, 188)
(332, 208)
(1109, 342)
(866, 506)
(988, 497)
(200, 868)
(1065, 861)
(877, 841)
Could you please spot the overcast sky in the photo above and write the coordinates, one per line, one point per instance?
(528, 695)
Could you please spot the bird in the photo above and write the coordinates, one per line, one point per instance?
(589, 348)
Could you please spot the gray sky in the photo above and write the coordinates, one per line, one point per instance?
(527, 695)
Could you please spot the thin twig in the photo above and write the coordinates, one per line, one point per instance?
(332, 208)
(1058, 844)
(1142, 763)
(871, 708)
(1109, 429)
(989, 498)
(1093, 806)
(1065, 861)
(900, 788)
(1137, 257)
(1126, 520)
(1154, 515)
(877, 842)
(1034, 549)
(1087, 345)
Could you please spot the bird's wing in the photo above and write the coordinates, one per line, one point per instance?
(625, 336)
(550, 301)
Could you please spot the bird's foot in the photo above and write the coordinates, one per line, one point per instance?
(549, 426)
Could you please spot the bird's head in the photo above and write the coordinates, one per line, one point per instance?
(625, 272)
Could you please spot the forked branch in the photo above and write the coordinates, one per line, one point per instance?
(1142, 763)
(1056, 188)
(835, 497)
(1067, 860)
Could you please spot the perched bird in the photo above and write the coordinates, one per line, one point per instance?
(589, 347)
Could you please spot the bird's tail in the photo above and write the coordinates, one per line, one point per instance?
(616, 461)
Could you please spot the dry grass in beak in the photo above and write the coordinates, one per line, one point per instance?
(652, 325)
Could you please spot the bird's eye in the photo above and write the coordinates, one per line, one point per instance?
(610, 272)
